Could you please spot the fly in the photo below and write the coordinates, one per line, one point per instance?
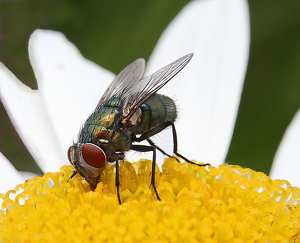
(129, 107)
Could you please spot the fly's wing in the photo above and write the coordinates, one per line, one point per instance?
(135, 96)
(125, 80)
(132, 92)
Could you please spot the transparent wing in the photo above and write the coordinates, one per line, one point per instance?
(133, 92)
(134, 97)
(125, 80)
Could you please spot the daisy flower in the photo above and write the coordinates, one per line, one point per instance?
(206, 204)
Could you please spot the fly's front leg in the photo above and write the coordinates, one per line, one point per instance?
(144, 148)
(73, 174)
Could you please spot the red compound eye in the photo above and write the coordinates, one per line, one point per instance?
(93, 155)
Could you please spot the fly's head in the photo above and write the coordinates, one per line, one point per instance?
(89, 161)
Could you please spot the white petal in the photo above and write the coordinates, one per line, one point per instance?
(27, 112)
(48, 119)
(70, 85)
(286, 164)
(208, 90)
(10, 177)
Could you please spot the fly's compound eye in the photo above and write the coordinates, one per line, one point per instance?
(93, 155)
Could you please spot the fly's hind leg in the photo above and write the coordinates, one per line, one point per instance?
(175, 147)
(176, 153)
(159, 149)
(147, 135)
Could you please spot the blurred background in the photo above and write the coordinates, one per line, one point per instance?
(271, 94)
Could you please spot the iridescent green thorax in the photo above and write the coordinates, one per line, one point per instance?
(103, 129)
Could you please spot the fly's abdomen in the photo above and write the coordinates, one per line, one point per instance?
(156, 110)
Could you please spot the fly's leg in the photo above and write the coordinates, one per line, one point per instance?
(152, 132)
(118, 175)
(175, 146)
(158, 148)
(162, 151)
(73, 174)
(145, 148)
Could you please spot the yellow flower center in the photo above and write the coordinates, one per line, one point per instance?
(199, 204)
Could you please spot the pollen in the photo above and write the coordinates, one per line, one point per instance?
(198, 204)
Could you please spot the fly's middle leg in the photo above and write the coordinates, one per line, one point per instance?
(118, 156)
(145, 148)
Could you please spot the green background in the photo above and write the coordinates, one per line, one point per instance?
(113, 33)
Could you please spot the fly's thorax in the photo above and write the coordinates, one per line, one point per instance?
(103, 129)
(101, 124)
(155, 111)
